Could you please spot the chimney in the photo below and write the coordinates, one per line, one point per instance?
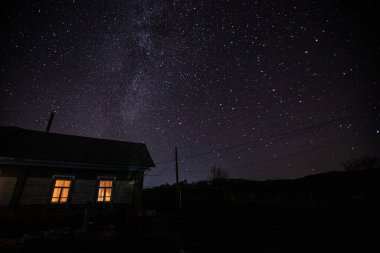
(49, 122)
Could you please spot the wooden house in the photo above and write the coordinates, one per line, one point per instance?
(46, 173)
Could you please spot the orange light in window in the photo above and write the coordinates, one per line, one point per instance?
(61, 191)
(105, 183)
(105, 191)
(62, 183)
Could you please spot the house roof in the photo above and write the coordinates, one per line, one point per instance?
(28, 145)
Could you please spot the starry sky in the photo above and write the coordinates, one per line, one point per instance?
(263, 89)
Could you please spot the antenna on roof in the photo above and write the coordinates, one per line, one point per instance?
(51, 117)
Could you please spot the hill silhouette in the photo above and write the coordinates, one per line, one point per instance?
(329, 186)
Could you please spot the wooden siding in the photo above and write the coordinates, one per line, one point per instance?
(7, 186)
(36, 191)
(83, 191)
(123, 191)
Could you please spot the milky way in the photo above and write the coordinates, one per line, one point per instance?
(263, 89)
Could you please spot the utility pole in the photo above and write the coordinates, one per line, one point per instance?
(176, 165)
(179, 193)
(51, 117)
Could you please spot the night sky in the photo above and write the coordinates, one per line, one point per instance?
(263, 89)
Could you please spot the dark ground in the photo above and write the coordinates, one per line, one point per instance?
(292, 222)
(279, 227)
(271, 227)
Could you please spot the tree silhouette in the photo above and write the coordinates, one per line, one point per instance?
(364, 163)
(218, 174)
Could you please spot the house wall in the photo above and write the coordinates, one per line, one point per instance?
(36, 191)
(83, 191)
(37, 187)
(124, 192)
(87, 190)
(7, 187)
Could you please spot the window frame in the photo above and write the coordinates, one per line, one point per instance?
(103, 202)
(55, 179)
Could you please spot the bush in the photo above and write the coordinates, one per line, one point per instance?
(364, 163)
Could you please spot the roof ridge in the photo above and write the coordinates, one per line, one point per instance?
(39, 145)
(69, 135)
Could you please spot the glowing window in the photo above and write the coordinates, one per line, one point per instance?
(105, 191)
(60, 191)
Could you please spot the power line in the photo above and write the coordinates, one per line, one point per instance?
(281, 158)
(262, 162)
(281, 134)
(211, 141)
(273, 159)
(267, 136)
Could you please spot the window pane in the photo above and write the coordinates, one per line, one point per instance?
(59, 183)
(101, 192)
(67, 183)
(56, 192)
(108, 192)
(65, 192)
(105, 183)
(62, 183)
(61, 191)
(105, 191)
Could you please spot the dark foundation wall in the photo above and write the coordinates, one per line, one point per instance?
(38, 217)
